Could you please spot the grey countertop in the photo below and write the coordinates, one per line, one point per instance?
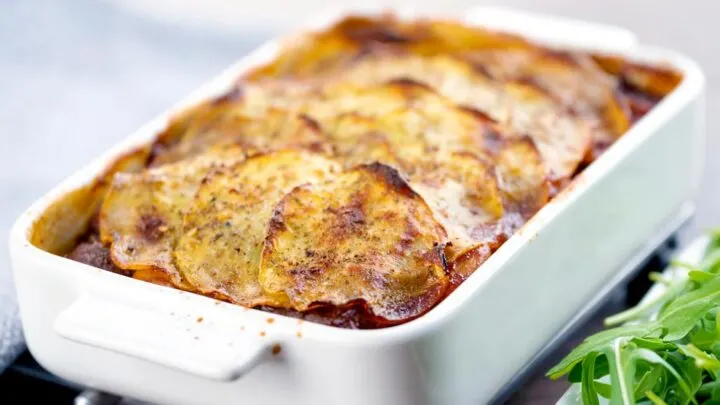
(79, 75)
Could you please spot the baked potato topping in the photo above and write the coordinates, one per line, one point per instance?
(367, 170)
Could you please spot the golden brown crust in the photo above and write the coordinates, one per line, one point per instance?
(362, 175)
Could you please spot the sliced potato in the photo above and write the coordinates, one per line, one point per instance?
(357, 139)
(521, 177)
(141, 215)
(463, 192)
(219, 249)
(364, 235)
(562, 138)
(227, 125)
(577, 81)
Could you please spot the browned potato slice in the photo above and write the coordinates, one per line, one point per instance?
(521, 177)
(364, 235)
(228, 125)
(522, 188)
(430, 142)
(654, 81)
(575, 80)
(358, 139)
(481, 205)
(224, 228)
(463, 192)
(322, 100)
(562, 140)
(141, 215)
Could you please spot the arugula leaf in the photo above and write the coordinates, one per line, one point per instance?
(711, 263)
(648, 381)
(656, 400)
(702, 359)
(700, 276)
(599, 342)
(692, 377)
(652, 357)
(706, 335)
(621, 372)
(589, 394)
(604, 390)
(707, 389)
(653, 343)
(685, 311)
(643, 309)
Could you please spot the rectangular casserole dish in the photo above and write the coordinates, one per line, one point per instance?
(167, 346)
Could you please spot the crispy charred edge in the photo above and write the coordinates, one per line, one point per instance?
(665, 79)
(170, 274)
(388, 29)
(365, 30)
(354, 314)
(410, 86)
(311, 123)
(391, 177)
(465, 264)
(471, 259)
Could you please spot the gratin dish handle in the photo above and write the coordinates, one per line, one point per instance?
(554, 31)
(183, 344)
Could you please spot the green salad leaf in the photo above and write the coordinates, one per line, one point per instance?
(663, 351)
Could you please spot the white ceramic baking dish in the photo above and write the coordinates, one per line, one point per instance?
(162, 345)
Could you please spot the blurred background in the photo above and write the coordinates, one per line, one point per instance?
(79, 75)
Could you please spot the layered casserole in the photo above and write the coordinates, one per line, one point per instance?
(366, 172)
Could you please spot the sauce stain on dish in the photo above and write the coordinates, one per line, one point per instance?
(276, 349)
